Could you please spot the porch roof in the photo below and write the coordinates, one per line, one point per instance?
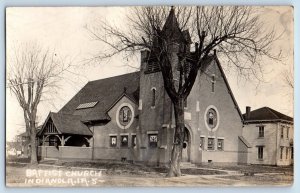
(68, 124)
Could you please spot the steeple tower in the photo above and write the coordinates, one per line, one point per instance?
(172, 30)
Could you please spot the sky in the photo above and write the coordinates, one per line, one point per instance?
(63, 29)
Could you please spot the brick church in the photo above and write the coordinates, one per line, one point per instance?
(130, 118)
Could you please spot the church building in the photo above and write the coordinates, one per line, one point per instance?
(131, 118)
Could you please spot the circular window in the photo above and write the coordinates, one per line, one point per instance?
(124, 115)
(211, 118)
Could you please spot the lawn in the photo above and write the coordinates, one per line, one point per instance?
(129, 174)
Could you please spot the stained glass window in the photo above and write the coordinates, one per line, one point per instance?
(113, 141)
(153, 140)
(211, 118)
(124, 141)
(210, 144)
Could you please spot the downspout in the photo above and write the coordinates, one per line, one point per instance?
(277, 145)
(93, 148)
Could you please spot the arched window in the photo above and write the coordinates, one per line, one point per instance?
(153, 97)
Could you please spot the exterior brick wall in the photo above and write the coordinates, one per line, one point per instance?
(71, 152)
(161, 118)
(49, 152)
(230, 123)
(102, 133)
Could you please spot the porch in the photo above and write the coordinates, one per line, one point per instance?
(64, 136)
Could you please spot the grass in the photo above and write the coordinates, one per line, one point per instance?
(125, 168)
(252, 168)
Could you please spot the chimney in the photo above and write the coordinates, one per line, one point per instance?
(248, 109)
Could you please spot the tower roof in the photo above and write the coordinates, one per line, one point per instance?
(171, 29)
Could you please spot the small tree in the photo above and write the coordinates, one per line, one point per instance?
(235, 32)
(33, 72)
(288, 78)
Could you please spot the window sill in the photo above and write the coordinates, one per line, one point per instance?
(210, 150)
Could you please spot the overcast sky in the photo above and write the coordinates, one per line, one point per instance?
(63, 29)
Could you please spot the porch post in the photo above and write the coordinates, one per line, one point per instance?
(43, 140)
(62, 140)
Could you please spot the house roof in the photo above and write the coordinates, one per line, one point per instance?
(68, 124)
(266, 114)
(106, 92)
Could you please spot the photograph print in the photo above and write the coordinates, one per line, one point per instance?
(149, 96)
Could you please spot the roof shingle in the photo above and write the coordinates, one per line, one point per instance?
(266, 114)
(106, 91)
(69, 124)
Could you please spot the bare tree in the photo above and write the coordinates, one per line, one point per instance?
(32, 73)
(236, 33)
(288, 78)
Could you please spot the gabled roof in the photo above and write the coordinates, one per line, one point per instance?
(67, 124)
(227, 85)
(266, 114)
(106, 92)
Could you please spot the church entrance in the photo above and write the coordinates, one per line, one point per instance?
(186, 151)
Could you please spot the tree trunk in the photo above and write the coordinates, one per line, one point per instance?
(33, 150)
(174, 169)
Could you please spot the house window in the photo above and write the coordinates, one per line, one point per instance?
(202, 142)
(153, 140)
(153, 97)
(53, 141)
(124, 141)
(287, 132)
(113, 141)
(286, 153)
(281, 152)
(261, 131)
(260, 152)
(210, 144)
(133, 140)
(220, 144)
(213, 81)
(282, 130)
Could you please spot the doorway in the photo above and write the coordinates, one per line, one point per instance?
(186, 150)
